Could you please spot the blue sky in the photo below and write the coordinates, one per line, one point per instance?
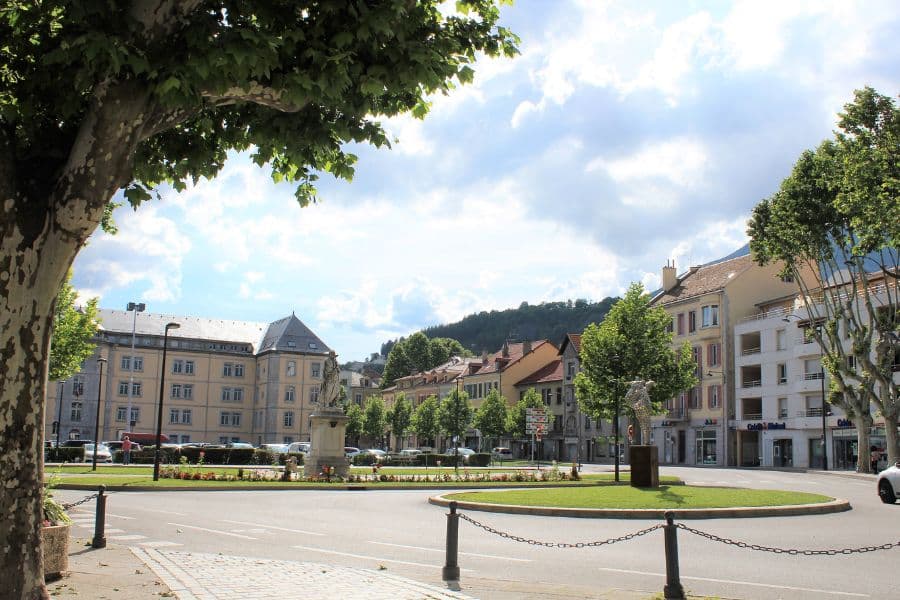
(624, 135)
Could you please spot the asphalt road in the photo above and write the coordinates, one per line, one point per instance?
(400, 531)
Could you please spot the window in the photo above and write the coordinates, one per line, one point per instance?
(230, 394)
(680, 323)
(223, 439)
(238, 394)
(713, 396)
(78, 386)
(587, 423)
(174, 416)
(188, 367)
(125, 365)
(176, 390)
(851, 363)
(292, 368)
(546, 396)
(670, 328)
(696, 401)
(559, 395)
(314, 395)
(570, 370)
(121, 411)
(357, 398)
(780, 339)
(288, 439)
(697, 354)
(782, 373)
(787, 278)
(710, 315)
(123, 389)
(316, 369)
(238, 369)
(288, 418)
(227, 395)
(227, 370)
(178, 366)
(782, 408)
(812, 369)
(289, 394)
(188, 391)
(692, 321)
(135, 388)
(712, 355)
(76, 411)
(229, 419)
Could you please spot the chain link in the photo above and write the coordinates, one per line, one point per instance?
(530, 542)
(791, 551)
(82, 501)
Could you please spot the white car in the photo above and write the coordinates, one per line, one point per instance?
(410, 452)
(889, 484)
(103, 453)
(275, 448)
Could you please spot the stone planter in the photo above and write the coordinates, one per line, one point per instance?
(55, 543)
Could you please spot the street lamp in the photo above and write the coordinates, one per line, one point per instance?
(787, 319)
(135, 308)
(100, 362)
(615, 360)
(159, 412)
(61, 387)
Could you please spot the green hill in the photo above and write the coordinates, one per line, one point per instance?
(547, 320)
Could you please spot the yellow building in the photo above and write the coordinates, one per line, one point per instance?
(225, 381)
(705, 304)
(505, 368)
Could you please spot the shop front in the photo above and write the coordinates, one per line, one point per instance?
(706, 446)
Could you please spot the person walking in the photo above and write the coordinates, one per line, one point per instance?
(874, 457)
(126, 451)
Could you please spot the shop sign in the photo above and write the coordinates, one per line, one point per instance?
(845, 423)
(765, 426)
(711, 422)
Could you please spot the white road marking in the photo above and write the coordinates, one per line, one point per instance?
(273, 527)
(237, 535)
(751, 583)
(127, 538)
(159, 544)
(442, 550)
(113, 530)
(375, 558)
(165, 512)
(123, 516)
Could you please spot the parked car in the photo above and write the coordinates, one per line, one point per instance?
(103, 453)
(75, 443)
(302, 447)
(276, 448)
(410, 452)
(115, 445)
(235, 445)
(374, 452)
(501, 454)
(350, 451)
(889, 484)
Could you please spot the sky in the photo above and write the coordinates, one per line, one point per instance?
(624, 135)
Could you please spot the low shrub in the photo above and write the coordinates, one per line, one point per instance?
(481, 459)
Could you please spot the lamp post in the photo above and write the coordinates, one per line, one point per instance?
(135, 308)
(100, 362)
(615, 360)
(159, 412)
(61, 386)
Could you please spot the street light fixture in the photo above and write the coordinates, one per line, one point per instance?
(100, 362)
(787, 319)
(159, 412)
(615, 360)
(61, 387)
(135, 308)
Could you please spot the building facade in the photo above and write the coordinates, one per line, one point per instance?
(225, 381)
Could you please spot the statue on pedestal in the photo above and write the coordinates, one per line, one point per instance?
(638, 397)
(329, 391)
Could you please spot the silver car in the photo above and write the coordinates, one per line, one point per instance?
(889, 484)
(103, 453)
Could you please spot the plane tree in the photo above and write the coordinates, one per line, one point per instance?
(100, 97)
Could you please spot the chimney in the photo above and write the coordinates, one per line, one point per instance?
(526, 347)
(505, 351)
(669, 277)
(484, 357)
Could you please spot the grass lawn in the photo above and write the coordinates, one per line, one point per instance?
(674, 497)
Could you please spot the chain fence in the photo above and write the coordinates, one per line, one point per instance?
(703, 534)
(791, 551)
(79, 502)
(531, 542)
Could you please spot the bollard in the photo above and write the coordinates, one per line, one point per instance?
(450, 572)
(673, 589)
(99, 540)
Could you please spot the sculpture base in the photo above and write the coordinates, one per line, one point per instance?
(328, 427)
(644, 466)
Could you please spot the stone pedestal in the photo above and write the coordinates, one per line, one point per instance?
(644, 466)
(328, 428)
(55, 544)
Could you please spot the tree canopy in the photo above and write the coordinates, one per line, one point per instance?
(490, 417)
(515, 418)
(417, 354)
(835, 225)
(399, 416)
(425, 422)
(73, 329)
(632, 342)
(374, 419)
(101, 97)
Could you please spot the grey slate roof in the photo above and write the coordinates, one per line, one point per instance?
(291, 335)
(277, 334)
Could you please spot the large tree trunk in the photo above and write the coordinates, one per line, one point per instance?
(890, 439)
(33, 262)
(863, 454)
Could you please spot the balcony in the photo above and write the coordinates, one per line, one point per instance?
(748, 351)
(814, 376)
(751, 383)
(676, 414)
(751, 416)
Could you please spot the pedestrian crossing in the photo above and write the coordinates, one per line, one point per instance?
(115, 534)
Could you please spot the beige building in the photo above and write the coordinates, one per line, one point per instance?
(705, 303)
(505, 368)
(225, 381)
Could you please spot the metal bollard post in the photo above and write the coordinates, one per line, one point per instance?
(673, 589)
(450, 572)
(99, 540)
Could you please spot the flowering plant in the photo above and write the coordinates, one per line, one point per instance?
(53, 511)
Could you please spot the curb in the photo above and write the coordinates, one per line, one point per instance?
(835, 506)
(318, 488)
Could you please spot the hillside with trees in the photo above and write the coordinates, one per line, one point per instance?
(486, 331)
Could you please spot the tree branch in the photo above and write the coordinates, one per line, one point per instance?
(254, 93)
(160, 17)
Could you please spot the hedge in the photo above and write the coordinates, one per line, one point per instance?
(64, 454)
(431, 460)
(479, 459)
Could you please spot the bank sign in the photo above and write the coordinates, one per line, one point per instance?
(765, 426)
